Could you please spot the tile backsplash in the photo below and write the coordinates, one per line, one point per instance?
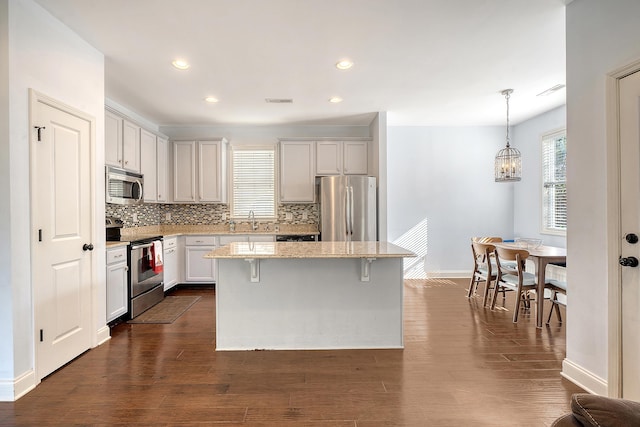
(200, 214)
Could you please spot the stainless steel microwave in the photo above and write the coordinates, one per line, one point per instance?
(124, 187)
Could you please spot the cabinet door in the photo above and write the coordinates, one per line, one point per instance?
(112, 139)
(329, 158)
(356, 159)
(161, 170)
(130, 146)
(117, 275)
(149, 165)
(209, 171)
(297, 177)
(170, 267)
(198, 268)
(184, 171)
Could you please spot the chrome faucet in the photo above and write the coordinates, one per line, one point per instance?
(252, 218)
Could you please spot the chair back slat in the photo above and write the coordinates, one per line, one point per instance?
(486, 239)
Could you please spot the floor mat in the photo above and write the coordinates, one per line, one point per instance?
(167, 310)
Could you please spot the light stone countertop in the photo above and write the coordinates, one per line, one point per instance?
(218, 229)
(262, 250)
(111, 245)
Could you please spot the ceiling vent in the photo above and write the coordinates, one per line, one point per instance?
(279, 100)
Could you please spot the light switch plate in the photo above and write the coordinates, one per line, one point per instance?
(288, 216)
(135, 217)
(224, 216)
(168, 216)
(305, 215)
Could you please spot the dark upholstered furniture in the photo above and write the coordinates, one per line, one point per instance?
(592, 410)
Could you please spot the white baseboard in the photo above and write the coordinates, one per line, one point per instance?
(449, 274)
(583, 378)
(103, 335)
(12, 390)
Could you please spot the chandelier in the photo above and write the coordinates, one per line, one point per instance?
(508, 166)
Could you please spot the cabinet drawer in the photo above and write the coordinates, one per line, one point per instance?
(117, 255)
(225, 240)
(200, 240)
(170, 243)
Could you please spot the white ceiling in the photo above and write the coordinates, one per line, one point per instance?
(425, 62)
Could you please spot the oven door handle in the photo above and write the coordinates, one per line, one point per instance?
(148, 245)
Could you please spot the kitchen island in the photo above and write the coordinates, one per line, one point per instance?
(309, 295)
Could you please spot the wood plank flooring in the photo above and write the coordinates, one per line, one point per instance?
(462, 365)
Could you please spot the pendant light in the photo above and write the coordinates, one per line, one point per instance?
(508, 166)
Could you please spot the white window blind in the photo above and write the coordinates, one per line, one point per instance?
(554, 186)
(253, 182)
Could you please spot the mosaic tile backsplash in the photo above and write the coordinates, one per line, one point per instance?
(200, 214)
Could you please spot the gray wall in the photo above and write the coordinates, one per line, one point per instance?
(445, 175)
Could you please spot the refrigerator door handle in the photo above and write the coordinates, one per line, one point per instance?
(350, 212)
(347, 220)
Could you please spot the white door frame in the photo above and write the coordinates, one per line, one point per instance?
(36, 97)
(614, 233)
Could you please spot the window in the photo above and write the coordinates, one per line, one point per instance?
(253, 182)
(554, 187)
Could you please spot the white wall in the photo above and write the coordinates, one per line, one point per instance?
(6, 298)
(601, 37)
(527, 208)
(445, 174)
(48, 57)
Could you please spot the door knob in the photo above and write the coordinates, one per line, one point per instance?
(631, 238)
(89, 247)
(629, 261)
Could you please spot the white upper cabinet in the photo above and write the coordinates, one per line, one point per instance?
(149, 165)
(112, 139)
(130, 146)
(199, 171)
(297, 177)
(342, 157)
(211, 171)
(184, 171)
(329, 158)
(161, 157)
(355, 160)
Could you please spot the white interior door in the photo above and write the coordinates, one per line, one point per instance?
(61, 220)
(629, 88)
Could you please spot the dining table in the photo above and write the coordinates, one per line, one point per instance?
(541, 256)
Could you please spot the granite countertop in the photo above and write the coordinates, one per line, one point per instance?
(134, 233)
(116, 244)
(262, 250)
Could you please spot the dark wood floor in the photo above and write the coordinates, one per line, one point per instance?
(462, 365)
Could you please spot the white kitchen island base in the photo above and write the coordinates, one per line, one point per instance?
(309, 303)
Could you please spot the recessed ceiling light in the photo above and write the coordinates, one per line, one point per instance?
(344, 64)
(211, 99)
(551, 90)
(180, 64)
(335, 99)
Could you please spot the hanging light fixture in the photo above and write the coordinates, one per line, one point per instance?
(508, 161)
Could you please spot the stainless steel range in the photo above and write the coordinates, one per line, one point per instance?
(146, 287)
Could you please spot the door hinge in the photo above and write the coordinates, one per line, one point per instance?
(40, 235)
(39, 132)
(41, 335)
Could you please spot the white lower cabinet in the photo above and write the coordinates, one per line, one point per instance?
(198, 268)
(117, 282)
(170, 262)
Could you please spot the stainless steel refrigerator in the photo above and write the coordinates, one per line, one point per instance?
(348, 208)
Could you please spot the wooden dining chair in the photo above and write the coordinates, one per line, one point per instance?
(557, 287)
(511, 276)
(484, 269)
